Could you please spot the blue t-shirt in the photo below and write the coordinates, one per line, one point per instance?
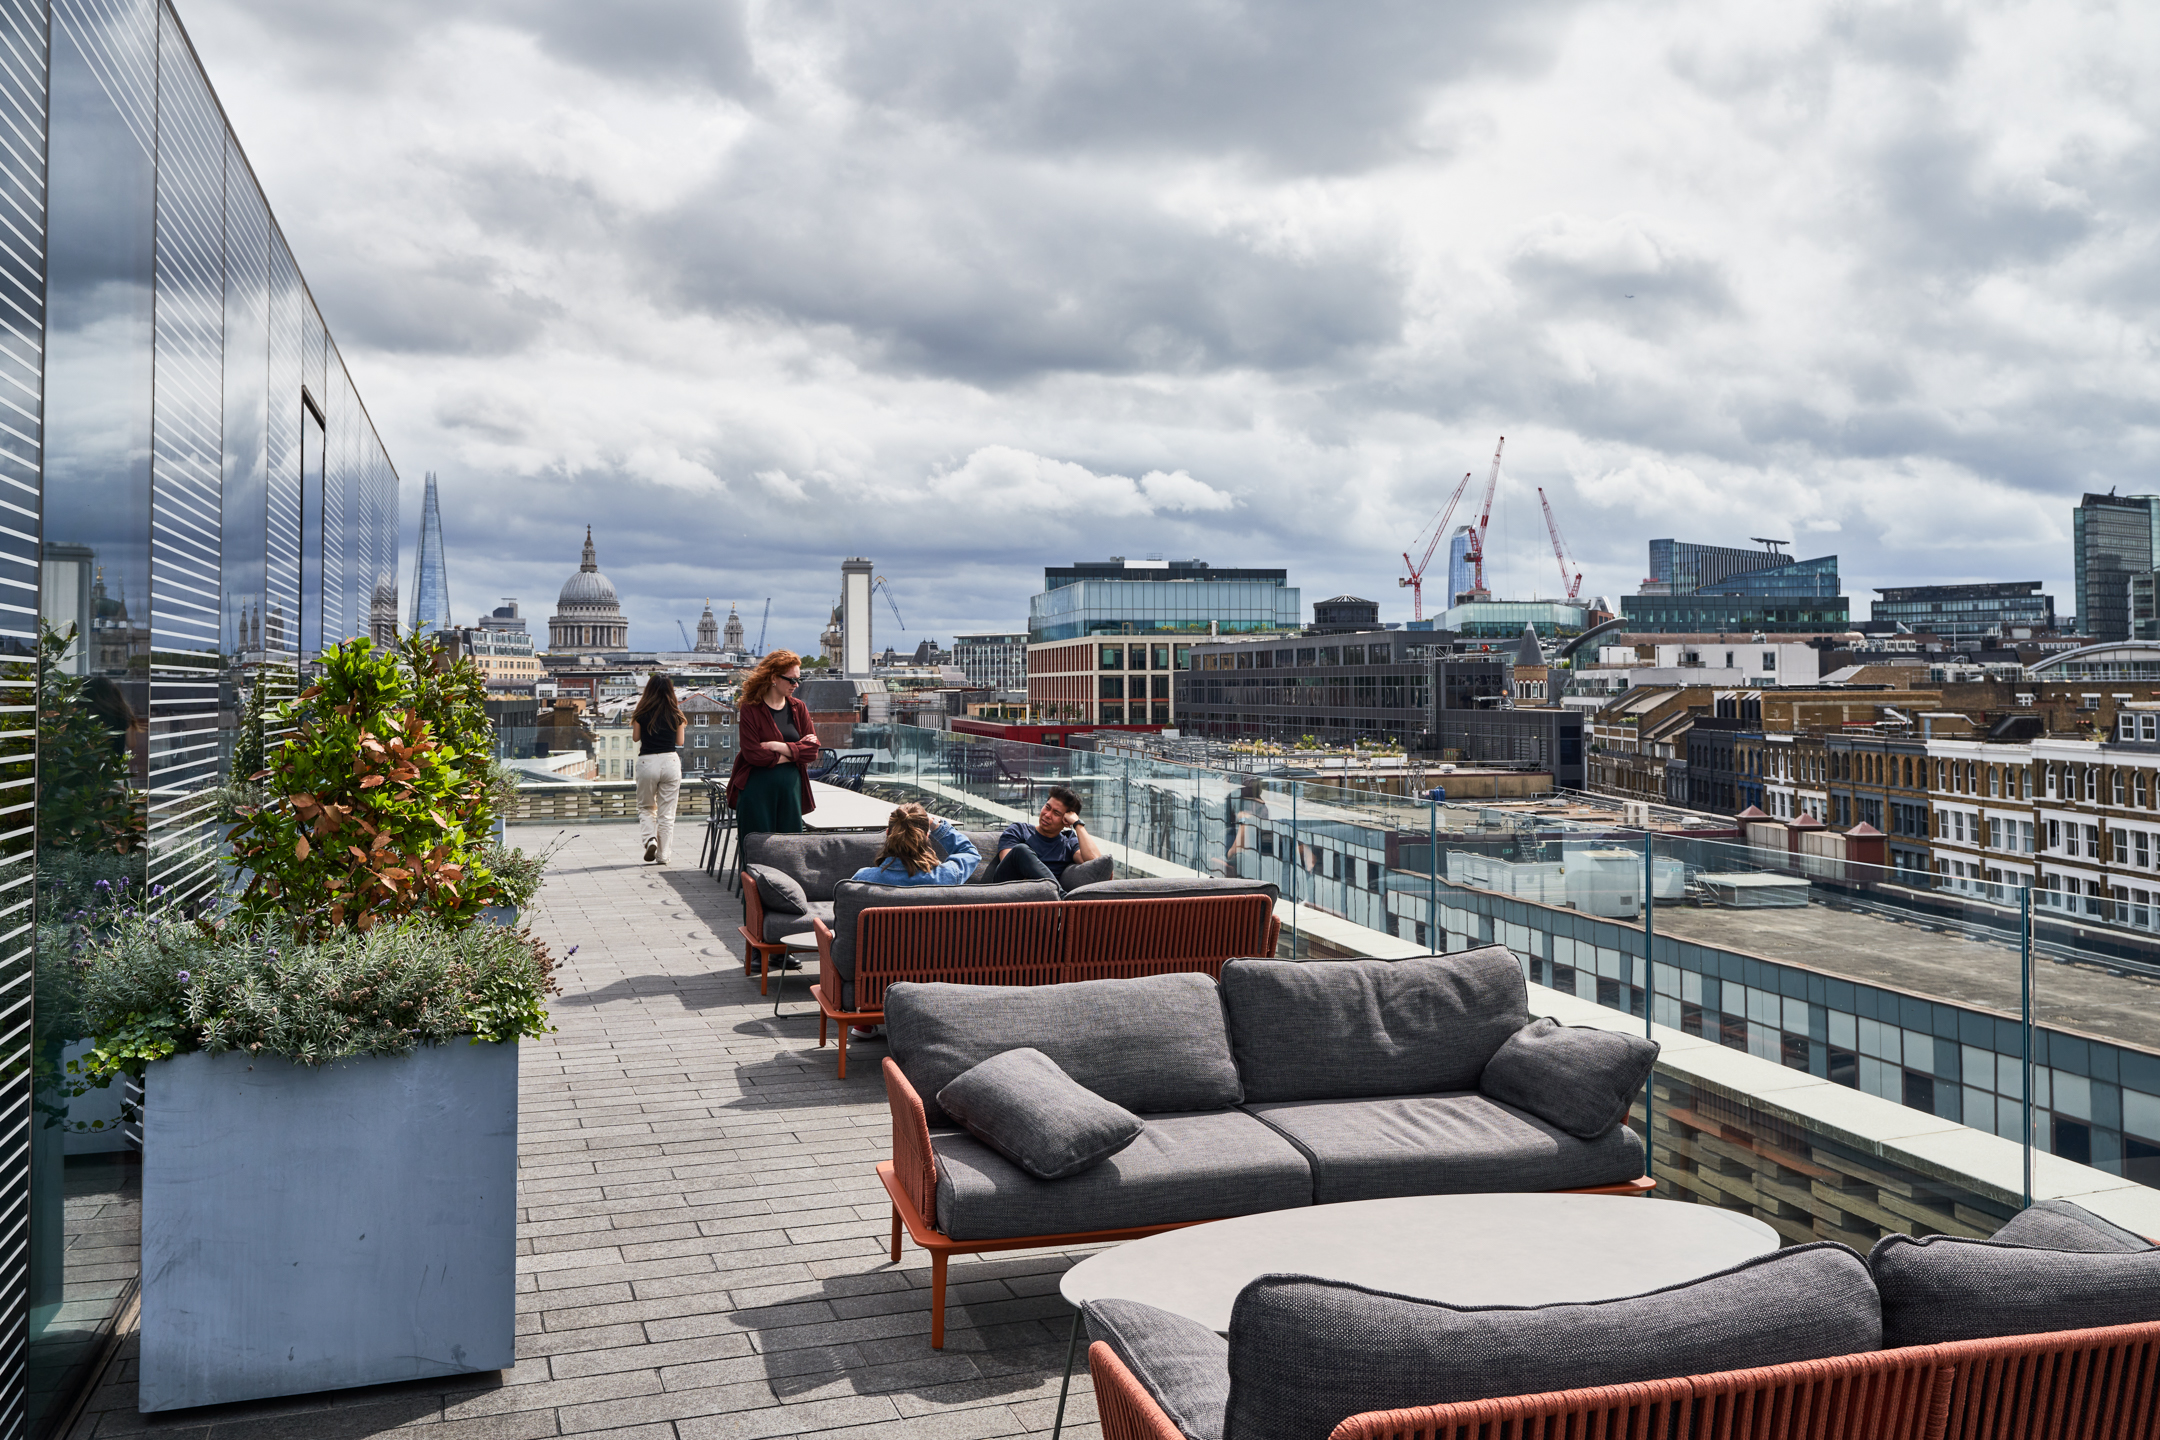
(1055, 851)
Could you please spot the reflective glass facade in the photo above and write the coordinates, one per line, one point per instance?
(1336, 688)
(2112, 538)
(1180, 598)
(1967, 614)
(1504, 619)
(196, 501)
(1716, 614)
(1685, 568)
(1802, 579)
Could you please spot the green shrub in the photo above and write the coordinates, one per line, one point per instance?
(518, 874)
(150, 986)
(381, 796)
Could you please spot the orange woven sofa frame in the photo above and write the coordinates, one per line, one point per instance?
(2070, 1385)
(910, 1178)
(1038, 942)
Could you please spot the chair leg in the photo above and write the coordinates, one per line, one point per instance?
(843, 1028)
(821, 1027)
(764, 968)
(937, 1300)
(896, 1234)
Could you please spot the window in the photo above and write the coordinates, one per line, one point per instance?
(1330, 655)
(2069, 837)
(1159, 686)
(2117, 788)
(2092, 841)
(1353, 655)
(1110, 687)
(1378, 654)
(1113, 714)
(1244, 659)
(2143, 842)
(1207, 662)
(2138, 788)
(1994, 833)
(1769, 659)
(1306, 655)
(1184, 656)
(1162, 657)
(2050, 778)
(1110, 657)
(2092, 783)
(2120, 839)
(1284, 659)
(1263, 660)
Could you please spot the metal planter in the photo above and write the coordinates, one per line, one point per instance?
(308, 1230)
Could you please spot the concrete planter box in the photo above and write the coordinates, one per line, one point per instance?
(308, 1230)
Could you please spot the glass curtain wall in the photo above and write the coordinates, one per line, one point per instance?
(186, 466)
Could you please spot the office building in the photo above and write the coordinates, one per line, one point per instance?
(1160, 597)
(431, 572)
(1461, 576)
(992, 661)
(1337, 688)
(1106, 682)
(1505, 619)
(1697, 588)
(1967, 616)
(2112, 539)
(195, 489)
(1680, 568)
(1344, 614)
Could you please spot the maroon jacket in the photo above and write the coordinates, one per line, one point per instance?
(754, 726)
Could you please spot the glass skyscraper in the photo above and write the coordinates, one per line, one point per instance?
(2112, 538)
(1711, 589)
(199, 503)
(1160, 597)
(431, 573)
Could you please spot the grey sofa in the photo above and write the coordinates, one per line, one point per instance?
(1974, 1319)
(819, 863)
(1287, 1084)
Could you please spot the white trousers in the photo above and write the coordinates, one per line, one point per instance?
(659, 781)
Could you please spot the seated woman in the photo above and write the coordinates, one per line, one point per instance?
(921, 849)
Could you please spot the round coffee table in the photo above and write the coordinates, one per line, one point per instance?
(1462, 1249)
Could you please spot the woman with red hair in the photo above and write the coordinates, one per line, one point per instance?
(769, 788)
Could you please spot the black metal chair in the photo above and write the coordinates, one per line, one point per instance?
(828, 761)
(719, 830)
(849, 773)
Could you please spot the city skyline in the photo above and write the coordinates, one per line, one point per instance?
(1795, 274)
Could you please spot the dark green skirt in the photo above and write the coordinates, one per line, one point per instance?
(772, 801)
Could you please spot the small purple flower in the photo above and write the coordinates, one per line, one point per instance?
(571, 951)
(156, 890)
(104, 884)
(184, 977)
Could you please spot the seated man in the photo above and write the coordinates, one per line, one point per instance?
(1049, 847)
(921, 849)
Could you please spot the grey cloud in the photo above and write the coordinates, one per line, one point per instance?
(702, 42)
(1292, 84)
(997, 273)
(455, 305)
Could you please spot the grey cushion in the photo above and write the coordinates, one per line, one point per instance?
(777, 890)
(1181, 1362)
(1327, 1029)
(1035, 1115)
(1939, 1288)
(2060, 1225)
(1306, 1353)
(1452, 1144)
(1087, 872)
(780, 925)
(820, 860)
(1579, 1078)
(1165, 888)
(1180, 1167)
(852, 897)
(1152, 1045)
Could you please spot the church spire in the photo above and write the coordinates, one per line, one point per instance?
(590, 562)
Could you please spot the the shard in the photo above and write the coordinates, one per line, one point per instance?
(431, 576)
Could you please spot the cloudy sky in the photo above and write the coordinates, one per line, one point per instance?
(973, 287)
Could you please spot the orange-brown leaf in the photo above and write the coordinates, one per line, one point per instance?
(371, 782)
(300, 848)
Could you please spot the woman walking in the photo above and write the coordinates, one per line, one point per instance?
(657, 725)
(769, 789)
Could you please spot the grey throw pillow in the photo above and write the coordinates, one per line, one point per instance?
(777, 890)
(1087, 872)
(1940, 1288)
(1306, 1353)
(1573, 1076)
(1024, 1107)
(1183, 1364)
(2060, 1225)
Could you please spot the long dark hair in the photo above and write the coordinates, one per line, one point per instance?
(657, 714)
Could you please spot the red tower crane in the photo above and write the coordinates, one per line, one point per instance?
(1559, 549)
(1476, 555)
(1416, 578)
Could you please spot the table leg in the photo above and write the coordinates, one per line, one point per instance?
(1072, 1342)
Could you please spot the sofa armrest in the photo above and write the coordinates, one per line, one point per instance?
(1126, 1409)
(914, 1162)
(753, 906)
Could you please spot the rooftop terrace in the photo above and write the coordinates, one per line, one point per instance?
(702, 1239)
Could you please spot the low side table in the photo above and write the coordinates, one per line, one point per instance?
(803, 942)
(1539, 1249)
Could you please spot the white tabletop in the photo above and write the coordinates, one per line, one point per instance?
(839, 809)
(1463, 1249)
(805, 940)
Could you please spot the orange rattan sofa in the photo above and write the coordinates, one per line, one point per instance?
(2073, 1384)
(910, 1178)
(1042, 942)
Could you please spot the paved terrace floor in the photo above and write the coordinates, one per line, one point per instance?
(702, 1241)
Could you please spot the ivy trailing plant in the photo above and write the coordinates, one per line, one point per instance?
(380, 797)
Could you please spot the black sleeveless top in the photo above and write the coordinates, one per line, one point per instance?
(784, 717)
(655, 744)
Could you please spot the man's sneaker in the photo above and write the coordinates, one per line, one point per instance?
(863, 1032)
(652, 851)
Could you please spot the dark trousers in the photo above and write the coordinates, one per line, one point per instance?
(1021, 863)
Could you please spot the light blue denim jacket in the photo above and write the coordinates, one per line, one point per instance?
(960, 857)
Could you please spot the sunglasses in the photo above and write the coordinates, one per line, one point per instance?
(791, 679)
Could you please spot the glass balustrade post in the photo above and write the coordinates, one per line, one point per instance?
(1649, 930)
(2025, 1015)
(1297, 866)
(1432, 876)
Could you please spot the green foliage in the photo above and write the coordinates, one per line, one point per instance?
(380, 796)
(154, 986)
(519, 874)
(84, 800)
